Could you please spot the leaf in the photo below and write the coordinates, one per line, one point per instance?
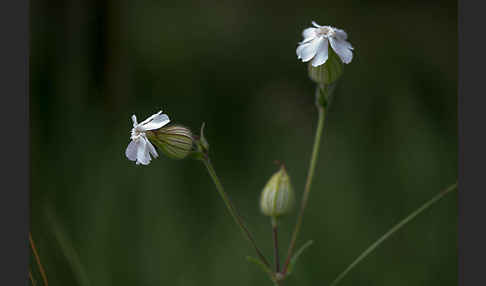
(203, 140)
(261, 265)
(68, 250)
(297, 254)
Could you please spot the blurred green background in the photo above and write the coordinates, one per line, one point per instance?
(390, 140)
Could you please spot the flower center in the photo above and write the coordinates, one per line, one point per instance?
(326, 31)
(137, 133)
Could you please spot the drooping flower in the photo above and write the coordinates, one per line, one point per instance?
(316, 43)
(140, 148)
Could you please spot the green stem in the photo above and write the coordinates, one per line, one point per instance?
(32, 279)
(275, 244)
(310, 175)
(37, 259)
(234, 213)
(392, 231)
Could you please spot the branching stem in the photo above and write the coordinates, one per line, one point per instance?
(232, 210)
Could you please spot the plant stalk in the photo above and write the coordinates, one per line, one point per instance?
(232, 210)
(275, 244)
(394, 229)
(36, 255)
(31, 279)
(310, 176)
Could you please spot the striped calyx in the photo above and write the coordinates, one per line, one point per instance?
(175, 141)
(277, 197)
(328, 72)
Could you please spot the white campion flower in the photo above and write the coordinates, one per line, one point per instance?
(316, 41)
(140, 148)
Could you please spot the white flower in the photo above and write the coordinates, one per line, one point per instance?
(316, 41)
(140, 149)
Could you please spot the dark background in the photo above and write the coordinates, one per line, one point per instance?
(390, 140)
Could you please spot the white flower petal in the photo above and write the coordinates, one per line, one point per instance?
(134, 120)
(321, 54)
(143, 156)
(340, 34)
(308, 50)
(343, 49)
(150, 118)
(131, 151)
(155, 121)
(316, 25)
(151, 149)
(140, 148)
(299, 49)
(308, 34)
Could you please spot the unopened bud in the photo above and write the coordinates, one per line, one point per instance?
(174, 141)
(277, 197)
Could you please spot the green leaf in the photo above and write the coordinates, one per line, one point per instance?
(261, 265)
(203, 140)
(68, 249)
(202, 146)
(297, 254)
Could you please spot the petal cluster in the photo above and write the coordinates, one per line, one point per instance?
(316, 44)
(140, 149)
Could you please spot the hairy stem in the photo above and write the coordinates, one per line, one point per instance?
(36, 255)
(234, 213)
(394, 229)
(310, 176)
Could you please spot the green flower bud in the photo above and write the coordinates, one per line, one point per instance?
(329, 72)
(175, 141)
(277, 197)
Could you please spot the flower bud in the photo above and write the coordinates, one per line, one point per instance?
(175, 141)
(329, 72)
(277, 197)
